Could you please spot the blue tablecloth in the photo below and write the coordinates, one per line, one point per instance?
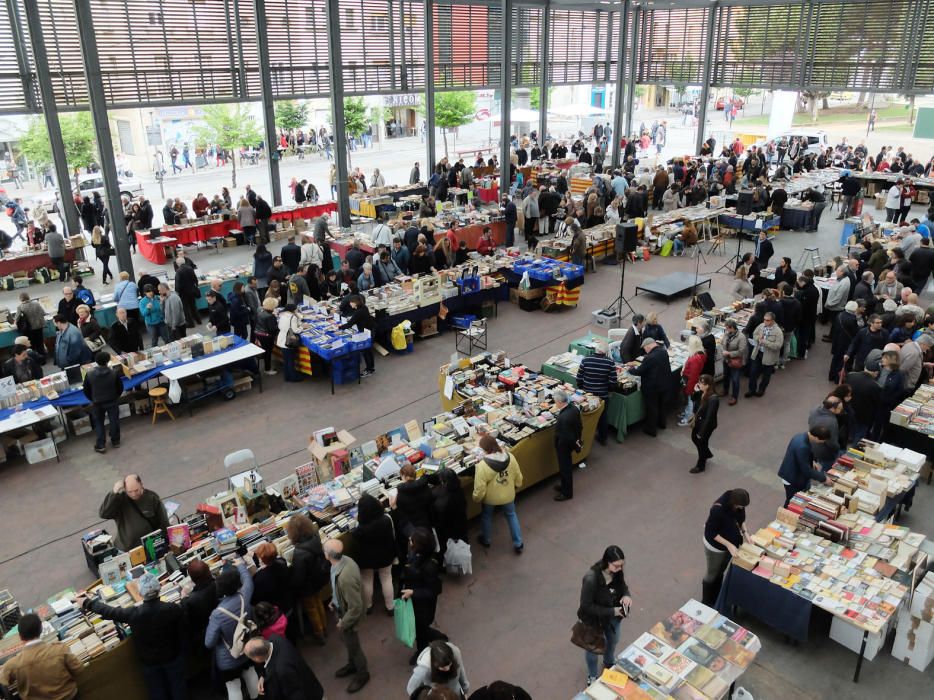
(76, 397)
(779, 608)
(794, 219)
(748, 223)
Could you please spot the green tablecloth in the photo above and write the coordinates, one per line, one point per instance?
(623, 410)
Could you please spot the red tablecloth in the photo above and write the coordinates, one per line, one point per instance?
(307, 212)
(488, 195)
(190, 234)
(153, 252)
(30, 262)
(473, 233)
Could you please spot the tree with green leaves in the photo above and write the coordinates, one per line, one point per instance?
(291, 116)
(77, 133)
(229, 127)
(682, 74)
(454, 109)
(354, 120)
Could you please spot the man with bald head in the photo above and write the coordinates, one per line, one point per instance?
(136, 510)
(347, 602)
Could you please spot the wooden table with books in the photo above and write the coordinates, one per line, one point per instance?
(819, 553)
(696, 654)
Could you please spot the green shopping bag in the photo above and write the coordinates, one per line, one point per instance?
(404, 616)
(793, 347)
(666, 249)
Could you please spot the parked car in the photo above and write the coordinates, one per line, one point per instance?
(723, 101)
(818, 141)
(88, 184)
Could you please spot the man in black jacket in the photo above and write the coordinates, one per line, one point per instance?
(809, 296)
(764, 249)
(791, 318)
(285, 674)
(849, 188)
(864, 291)
(362, 320)
(103, 388)
(568, 439)
(655, 372)
(922, 264)
(168, 213)
(145, 214)
(355, 258)
(867, 396)
(158, 634)
(186, 284)
(263, 214)
(198, 607)
(511, 214)
(631, 346)
(291, 255)
(125, 333)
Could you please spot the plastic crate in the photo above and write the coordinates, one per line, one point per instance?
(463, 321)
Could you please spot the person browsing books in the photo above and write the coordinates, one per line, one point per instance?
(42, 670)
(724, 532)
(103, 388)
(798, 467)
(136, 510)
(568, 438)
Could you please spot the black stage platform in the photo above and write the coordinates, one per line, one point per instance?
(672, 285)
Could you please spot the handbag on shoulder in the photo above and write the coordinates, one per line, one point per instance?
(588, 637)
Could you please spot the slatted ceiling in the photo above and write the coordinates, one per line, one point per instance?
(612, 41)
(468, 46)
(578, 46)
(298, 47)
(855, 45)
(63, 49)
(527, 46)
(13, 97)
(247, 59)
(170, 50)
(671, 45)
(759, 46)
(412, 44)
(366, 50)
(923, 73)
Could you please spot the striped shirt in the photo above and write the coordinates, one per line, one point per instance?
(595, 375)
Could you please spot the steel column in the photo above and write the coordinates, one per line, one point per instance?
(19, 46)
(543, 82)
(105, 147)
(52, 125)
(505, 150)
(336, 81)
(429, 89)
(633, 68)
(616, 155)
(707, 77)
(269, 108)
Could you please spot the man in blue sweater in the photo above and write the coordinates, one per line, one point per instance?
(595, 375)
(798, 467)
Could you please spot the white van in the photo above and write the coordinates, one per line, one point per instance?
(818, 141)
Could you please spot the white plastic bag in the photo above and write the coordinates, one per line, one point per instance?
(525, 282)
(458, 560)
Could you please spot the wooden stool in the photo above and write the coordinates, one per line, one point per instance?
(159, 404)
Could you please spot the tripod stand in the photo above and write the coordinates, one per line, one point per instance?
(733, 263)
(615, 308)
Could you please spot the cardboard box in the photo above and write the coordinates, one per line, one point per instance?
(344, 439)
(914, 641)
(851, 636)
(77, 241)
(59, 435)
(428, 326)
(40, 450)
(230, 242)
(81, 425)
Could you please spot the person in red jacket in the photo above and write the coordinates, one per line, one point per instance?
(690, 373)
(486, 245)
(200, 205)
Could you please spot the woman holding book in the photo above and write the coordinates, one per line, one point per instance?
(724, 532)
(604, 603)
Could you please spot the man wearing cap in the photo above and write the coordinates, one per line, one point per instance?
(655, 374)
(159, 635)
(798, 467)
(866, 395)
(568, 439)
(595, 375)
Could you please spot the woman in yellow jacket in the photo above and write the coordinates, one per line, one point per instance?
(497, 478)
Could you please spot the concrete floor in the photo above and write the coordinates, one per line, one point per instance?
(512, 618)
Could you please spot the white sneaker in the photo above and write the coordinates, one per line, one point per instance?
(684, 423)
(582, 465)
(270, 372)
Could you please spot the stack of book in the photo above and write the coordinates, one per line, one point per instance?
(917, 412)
(696, 653)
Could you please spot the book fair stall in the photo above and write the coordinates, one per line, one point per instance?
(695, 654)
(911, 423)
(625, 405)
(835, 549)
(495, 397)
(37, 415)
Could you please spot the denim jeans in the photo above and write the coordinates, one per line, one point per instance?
(112, 411)
(611, 632)
(731, 381)
(166, 681)
(509, 510)
(159, 332)
(289, 356)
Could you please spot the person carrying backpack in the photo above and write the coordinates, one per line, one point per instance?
(229, 627)
(83, 293)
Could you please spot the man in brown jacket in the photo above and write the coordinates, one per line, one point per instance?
(43, 671)
(348, 604)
